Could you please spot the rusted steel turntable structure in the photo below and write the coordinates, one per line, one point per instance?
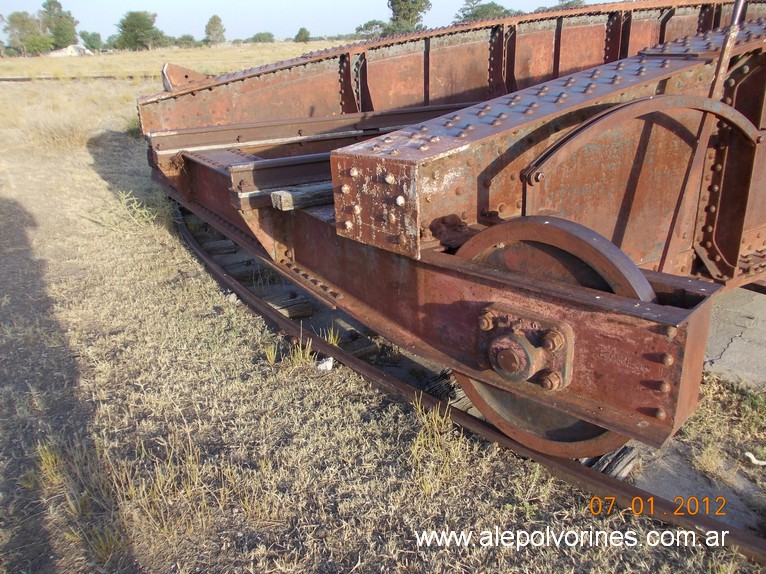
(546, 204)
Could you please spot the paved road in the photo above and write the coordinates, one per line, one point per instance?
(736, 347)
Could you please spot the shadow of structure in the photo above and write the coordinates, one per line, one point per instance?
(39, 410)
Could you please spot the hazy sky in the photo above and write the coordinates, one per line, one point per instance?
(243, 18)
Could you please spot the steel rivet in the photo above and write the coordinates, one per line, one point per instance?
(671, 331)
(357, 209)
(660, 414)
(712, 209)
(353, 172)
(529, 111)
(388, 139)
(345, 189)
(434, 139)
(487, 322)
(400, 200)
(394, 152)
(553, 341)
(551, 380)
(391, 218)
(424, 147)
(448, 124)
(502, 207)
(390, 179)
(665, 387)
(423, 128)
(667, 359)
(464, 216)
(462, 135)
(376, 147)
(348, 225)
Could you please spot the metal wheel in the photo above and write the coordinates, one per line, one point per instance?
(550, 249)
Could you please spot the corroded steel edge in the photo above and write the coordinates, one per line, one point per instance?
(360, 47)
(570, 471)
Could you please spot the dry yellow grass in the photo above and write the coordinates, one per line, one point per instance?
(141, 432)
(212, 60)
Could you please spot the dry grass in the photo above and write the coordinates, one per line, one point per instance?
(213, 60)
(139, 432)
(730, 422)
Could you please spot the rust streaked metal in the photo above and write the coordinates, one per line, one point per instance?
(636, 127)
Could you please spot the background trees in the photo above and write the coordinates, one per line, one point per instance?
(475, 10)
(91, 40)
(59, 24)
(136, 31)
(214, 31)
(407, 15)
(263, 37)
(25, 34)
(303, 35)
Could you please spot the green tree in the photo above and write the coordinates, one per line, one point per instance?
(186, 41)
(20, 28)
(37, 44)
(408, 14)
(473, 10)
(214, 30)
(60, 24)
(136, 31)
(303, 35)
(371, 28)
(563, 5)
(263, 37)
(91, 40)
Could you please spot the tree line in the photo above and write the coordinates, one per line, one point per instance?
(52, 27)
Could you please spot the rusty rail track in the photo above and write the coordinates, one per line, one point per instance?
(571, 471)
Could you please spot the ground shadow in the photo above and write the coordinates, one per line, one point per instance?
(39, 403)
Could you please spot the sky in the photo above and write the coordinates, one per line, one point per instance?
(243, 18)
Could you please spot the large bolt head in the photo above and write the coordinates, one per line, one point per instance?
(486, 322)
(509, 361)
(551, 380)
(553, 341)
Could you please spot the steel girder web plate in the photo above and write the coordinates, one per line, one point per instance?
(550, 249)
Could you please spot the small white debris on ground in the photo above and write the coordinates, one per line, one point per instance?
(325, 364)
(751, 458)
